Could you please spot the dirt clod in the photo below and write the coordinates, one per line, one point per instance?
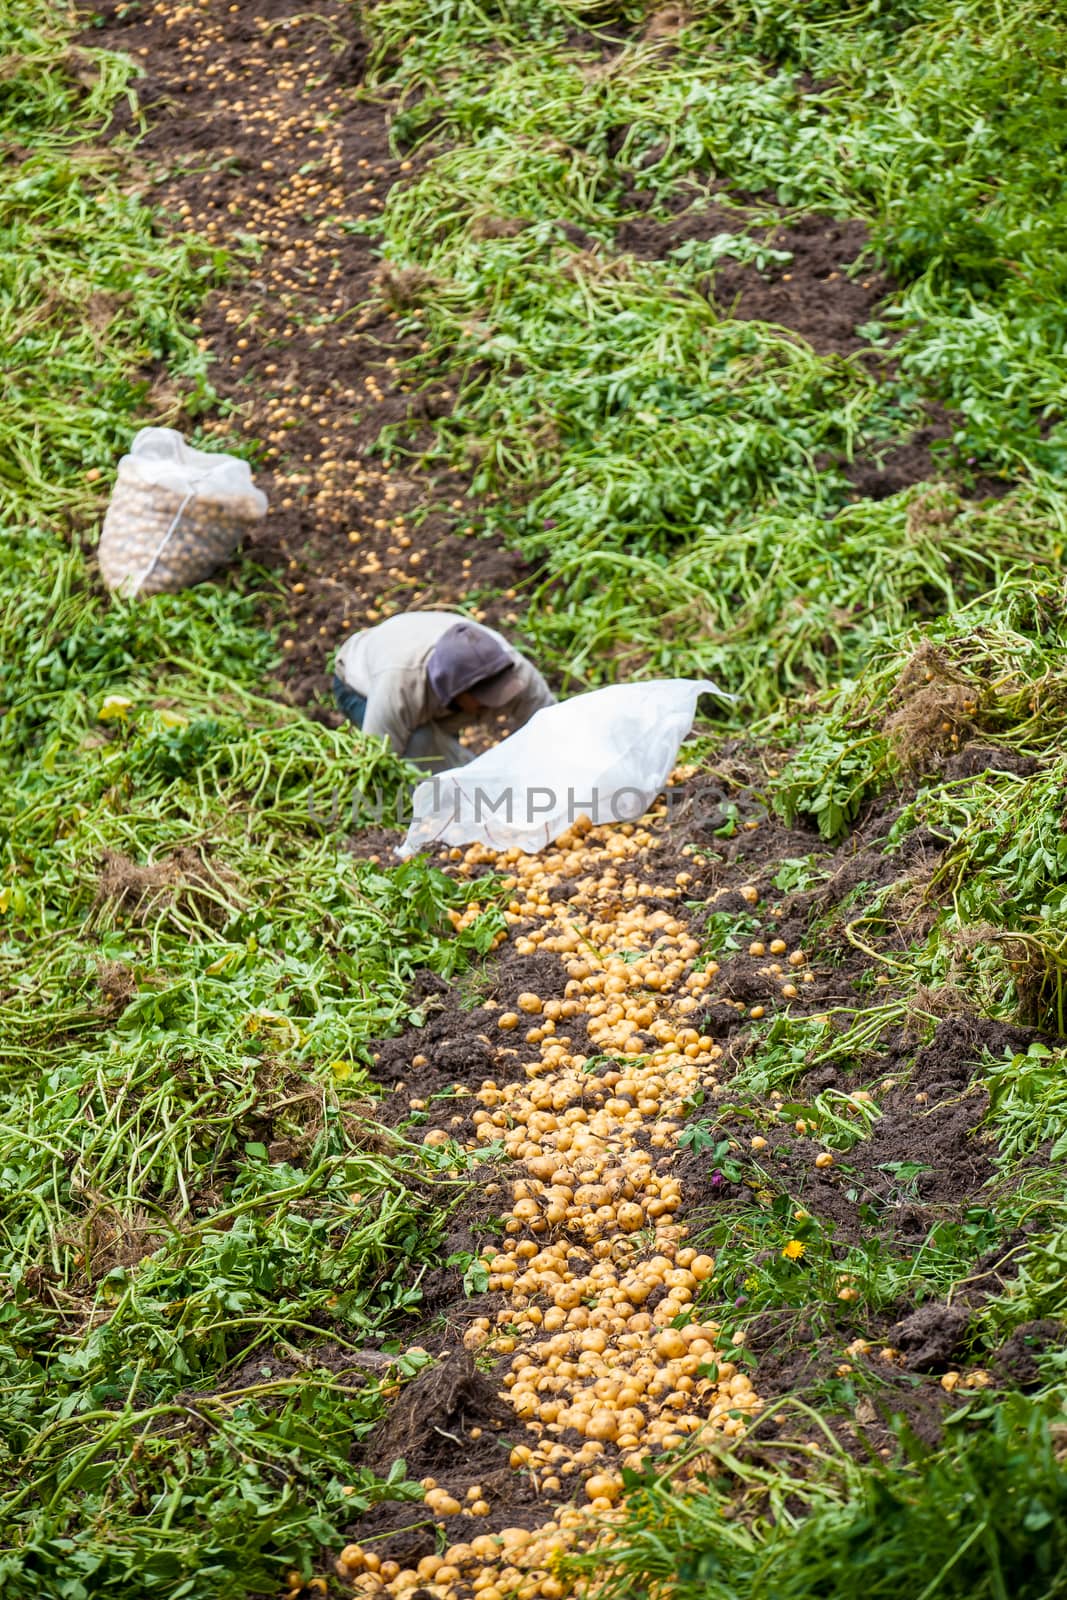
(427, 1424)
(930, 1336)
(1015, 1364)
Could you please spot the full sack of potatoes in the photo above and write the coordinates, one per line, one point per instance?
(176, 515)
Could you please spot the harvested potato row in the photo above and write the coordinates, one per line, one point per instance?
(610, 1359)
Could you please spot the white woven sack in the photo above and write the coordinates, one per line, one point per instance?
(603, 755)
(176, 514)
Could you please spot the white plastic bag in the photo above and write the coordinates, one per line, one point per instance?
(604, 755)
(176, 514)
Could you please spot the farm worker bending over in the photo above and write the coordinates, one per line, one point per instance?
(423, 675)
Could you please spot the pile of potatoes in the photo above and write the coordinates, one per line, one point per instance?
(593, 1260)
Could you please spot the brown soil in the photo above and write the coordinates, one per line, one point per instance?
(1015, 1365)
(930, 1122)
(812, 295)
(265, 132)
(238, 105)
(864, 1194)
(826, 294)
(931, 1336)
(977, 757)
(459, 1046)
(823, 294)
(423, 1427)
(259, 120)
(875, 475)
(930, 1117)
(430, 1428)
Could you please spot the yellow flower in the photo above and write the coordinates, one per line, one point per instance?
(114, 708)
(342, 1069)
(793, 1250)
(172, 719)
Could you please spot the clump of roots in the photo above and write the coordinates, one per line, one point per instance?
(936, 507)
(934, 709)
(111, 1238)
(488, 226)
(183, 886)
(1039, 972)
(665, 23)
(117, 985)
(402, 287)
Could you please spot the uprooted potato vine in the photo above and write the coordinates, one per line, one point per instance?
(214, 1252)
(192, 966)
(670, 463)
(201, 1224)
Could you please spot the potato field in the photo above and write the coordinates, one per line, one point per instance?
(678, 1212)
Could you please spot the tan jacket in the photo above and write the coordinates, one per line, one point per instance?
(387, 666)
